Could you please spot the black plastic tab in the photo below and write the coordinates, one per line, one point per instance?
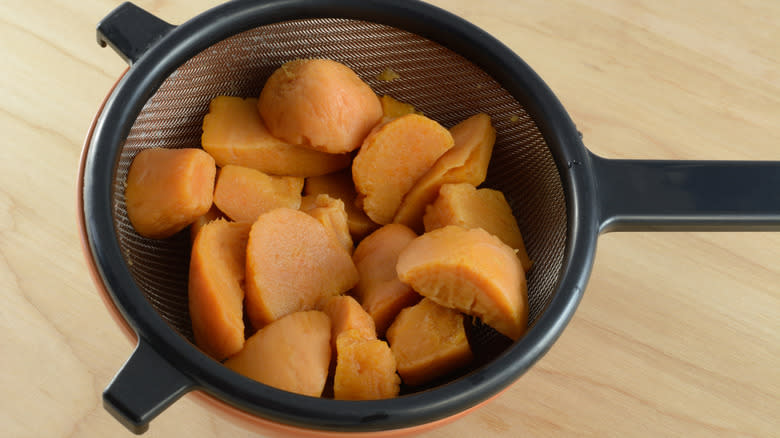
(130, 31)
(144, 387)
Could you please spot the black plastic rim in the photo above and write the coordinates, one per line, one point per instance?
(188, 39)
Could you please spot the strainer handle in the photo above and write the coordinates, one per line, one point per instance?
(131, 31)
(657, 195)
(144, 387)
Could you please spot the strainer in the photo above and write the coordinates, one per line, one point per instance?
(562, 195)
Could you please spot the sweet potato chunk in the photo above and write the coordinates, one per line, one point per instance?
(319, 103)
(292, 264)
(167, 189)
(469, 207)
(466, 162)
(243, 194)
(365, 368)
(346, 314)
(292, 354)
(428, 341)
(216, 287)
(393, 157)
(339, 185)
(393, 109)
(469, 270)
(379, 290)
(332, 215)
(234, 133)
(212, 214)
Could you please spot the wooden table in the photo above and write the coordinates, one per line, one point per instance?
(678, 333)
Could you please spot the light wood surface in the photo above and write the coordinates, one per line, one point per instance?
(678, 334)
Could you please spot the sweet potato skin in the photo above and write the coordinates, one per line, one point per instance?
(216, 287)
(392, 158)
(292, 264)
(319, 103)
(472, 271)
(292, 354)
(167, 189)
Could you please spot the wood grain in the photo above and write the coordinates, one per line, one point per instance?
(678, 333)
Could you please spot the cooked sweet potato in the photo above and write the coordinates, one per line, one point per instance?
(292, 353)
(365, 368)
(319, 103)
(393, 109)
(212, 214)
(469, 270)
(388, 75)
(167, 189)
(466, 162)
(469, 207)
(379, 290)
(346, 314)
(243, 194)
(292, 264)
(339, 185)
(216, 287)
(393, 157)
(428, 341)
(332, 215)
(234, 133)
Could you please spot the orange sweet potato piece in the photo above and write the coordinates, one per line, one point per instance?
(393, 157)
(319, 103)
(346, 314)
(428, 341)
(243, 194)
(379, 290)
(339, 185)
(466, 162)
(292, 264)
(332, 215)
(234, 133)
(365, 368)
(292, 353)
(469, 270)
(212, 214)
(466, 206)
(216, 287)
(393, 109)
(167, 189)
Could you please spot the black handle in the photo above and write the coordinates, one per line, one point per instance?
(130, 31)
(144, 387)
(648, 195)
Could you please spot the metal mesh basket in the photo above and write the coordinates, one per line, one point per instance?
(442, 84)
